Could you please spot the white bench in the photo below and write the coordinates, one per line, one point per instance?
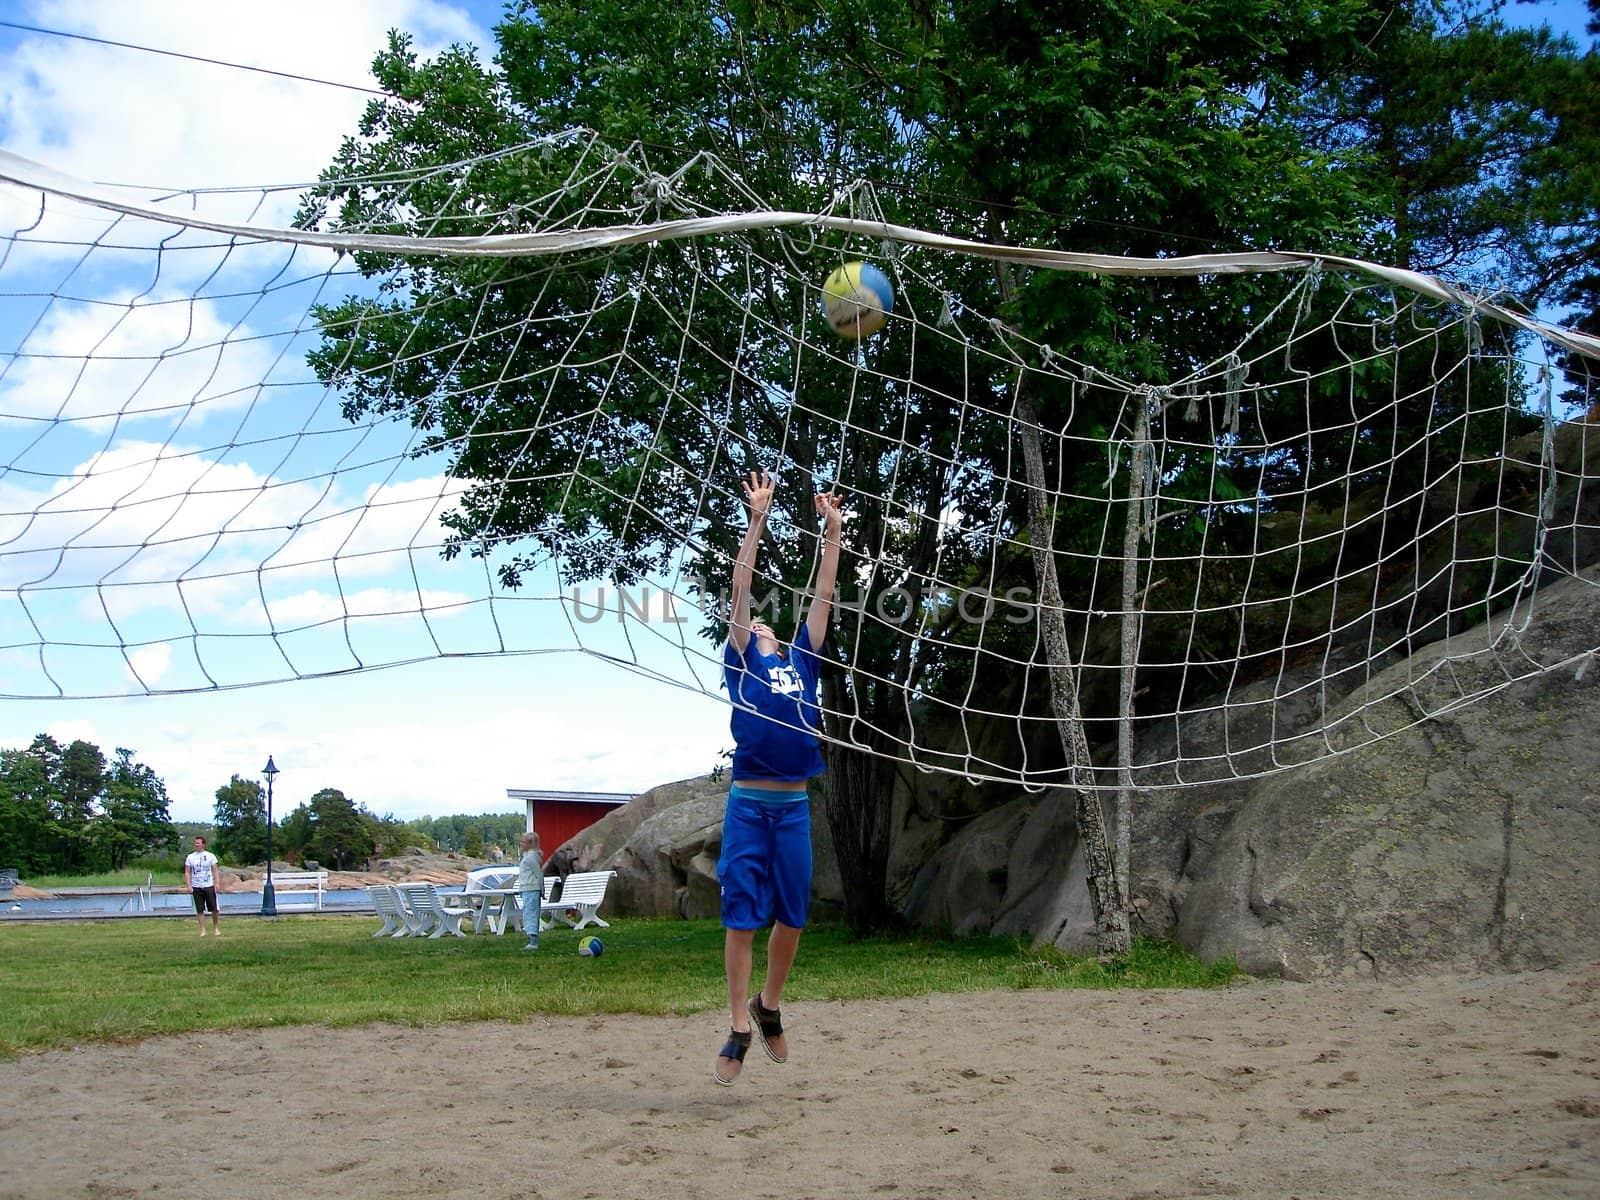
(300, 883)
(581, 894)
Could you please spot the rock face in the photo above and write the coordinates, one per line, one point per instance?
(662, 845)
(1469, 839)
(1468, 836)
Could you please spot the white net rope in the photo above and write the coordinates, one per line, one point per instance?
(253, 436)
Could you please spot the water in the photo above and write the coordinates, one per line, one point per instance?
(112, 904)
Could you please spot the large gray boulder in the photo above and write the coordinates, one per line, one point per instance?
(1016, 871)
(1468, 838)
(657, 845)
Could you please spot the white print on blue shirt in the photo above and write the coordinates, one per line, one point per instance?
(785, 680)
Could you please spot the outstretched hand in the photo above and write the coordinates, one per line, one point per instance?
(830, 507)
(758, 491)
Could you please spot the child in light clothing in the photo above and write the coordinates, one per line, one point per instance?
(530, 882)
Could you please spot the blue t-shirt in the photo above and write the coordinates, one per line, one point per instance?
(774, 711)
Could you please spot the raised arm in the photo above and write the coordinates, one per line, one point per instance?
(758, 494)
(828, 508)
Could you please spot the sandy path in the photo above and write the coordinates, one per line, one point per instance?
(1444, 1087)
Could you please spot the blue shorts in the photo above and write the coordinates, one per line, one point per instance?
(765, 866)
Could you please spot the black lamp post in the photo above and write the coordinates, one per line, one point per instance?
(269, 900)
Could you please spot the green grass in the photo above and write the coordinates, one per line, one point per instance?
(71, 982)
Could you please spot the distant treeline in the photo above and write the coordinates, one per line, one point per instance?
(67, 810)
(334, 831)
(473, 835)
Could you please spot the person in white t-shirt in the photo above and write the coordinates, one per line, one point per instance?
(200, 875)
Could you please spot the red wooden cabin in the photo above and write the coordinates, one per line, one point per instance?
(558, 816)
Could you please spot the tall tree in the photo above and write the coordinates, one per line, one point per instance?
(1565, 175)
(1115, 127)
(1478, 141)
(79, 778)
(1109, 111)
(27, 841)
(133, 817)
(62, 811)
(294, 833)
(240, 820)
(339, 836)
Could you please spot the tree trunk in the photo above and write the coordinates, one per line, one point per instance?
(1105, 896)
(859, 795)
(1110, 915)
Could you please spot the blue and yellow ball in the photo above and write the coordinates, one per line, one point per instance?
(857, 299)
(591, 947)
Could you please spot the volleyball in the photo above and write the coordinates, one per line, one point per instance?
(591, 947)
(857, 299)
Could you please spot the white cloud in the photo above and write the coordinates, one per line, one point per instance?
(138, 512)
(158, 126)
(147, 543)
(378, 532)
(141, 512)
(127, 357)
(149, 664)
(309, 608)
(110, 114)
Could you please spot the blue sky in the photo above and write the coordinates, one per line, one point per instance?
(434, 737)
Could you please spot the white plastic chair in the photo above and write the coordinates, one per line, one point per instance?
(387, 905)
(430, 910)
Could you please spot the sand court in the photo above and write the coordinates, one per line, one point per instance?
(1448, 1087)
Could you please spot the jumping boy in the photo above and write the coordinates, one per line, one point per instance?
(765, 867)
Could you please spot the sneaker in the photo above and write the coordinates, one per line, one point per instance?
(531, 946)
